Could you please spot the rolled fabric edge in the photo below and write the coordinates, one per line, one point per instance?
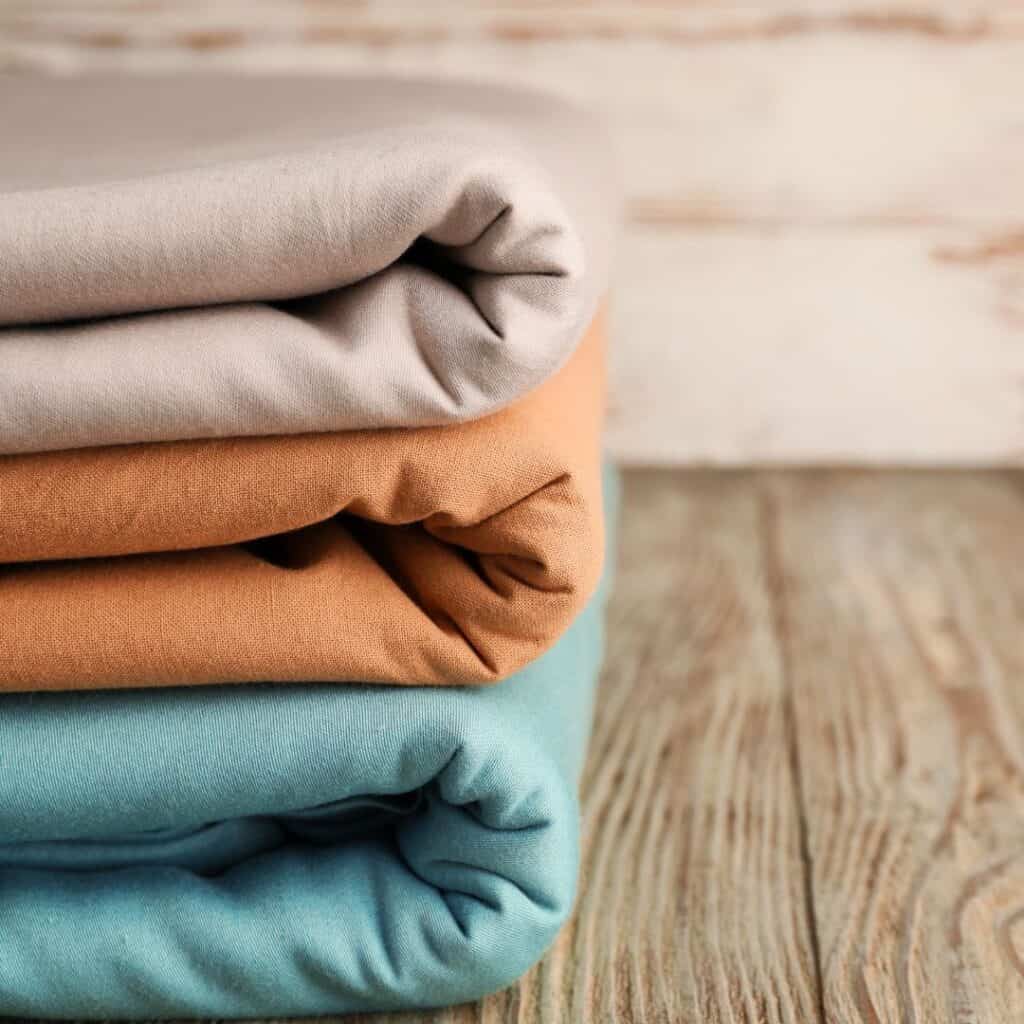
(314, 273)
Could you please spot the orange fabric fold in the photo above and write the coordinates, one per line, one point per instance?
(442, 555)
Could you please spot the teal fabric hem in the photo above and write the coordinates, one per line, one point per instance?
(289, 850)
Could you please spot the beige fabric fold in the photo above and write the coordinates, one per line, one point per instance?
(226, 256)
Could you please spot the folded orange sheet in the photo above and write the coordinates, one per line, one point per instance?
(438, 555)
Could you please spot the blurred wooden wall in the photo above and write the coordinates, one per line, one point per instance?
(824, 260)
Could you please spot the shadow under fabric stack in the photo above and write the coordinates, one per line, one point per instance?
(301, 391)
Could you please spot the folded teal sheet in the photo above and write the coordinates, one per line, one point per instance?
(288, 850)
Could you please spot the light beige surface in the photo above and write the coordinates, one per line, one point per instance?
(805, 791)
(826, 259)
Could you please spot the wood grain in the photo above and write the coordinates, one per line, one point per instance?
(825, 256)
(903, 601)
(693, 885)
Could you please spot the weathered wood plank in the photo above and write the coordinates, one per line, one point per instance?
(900, 345)
(903, 598)
(693, 888)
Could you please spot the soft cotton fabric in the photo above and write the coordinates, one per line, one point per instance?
(254, 851)
(210, 256)
(439, 555)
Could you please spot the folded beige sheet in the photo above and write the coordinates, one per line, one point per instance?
(205, 257)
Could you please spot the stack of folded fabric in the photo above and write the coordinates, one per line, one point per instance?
(301, 390)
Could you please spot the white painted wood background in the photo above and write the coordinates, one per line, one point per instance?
(824, 260)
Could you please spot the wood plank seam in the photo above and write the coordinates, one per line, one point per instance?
(775, 584)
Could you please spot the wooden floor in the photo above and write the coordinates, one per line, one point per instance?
(805, 792)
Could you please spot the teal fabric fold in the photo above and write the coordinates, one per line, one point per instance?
(289, 850)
